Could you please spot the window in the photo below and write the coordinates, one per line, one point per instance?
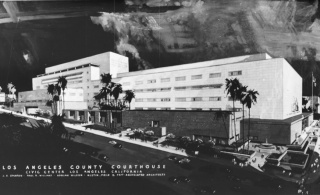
(214, 98)
(214, 75)
(138, 90)
(151, 90)
(155, 123)
(235, 73)
(139, 100)
(72, 94)
(231, 99)
(182, 78)
(180, 108)
(151, 99)
(165, 99)
(88, 87)
(72, 113)
(196, 108)
(235, 109)
(151, 108)
(215, 86)
(88, 94)
(194, 77)
(180, 88)
(199, 87)
(163, 80)
(180, 99)
(165, 89)
(164, 108)
(151, 81)
(138, 108)
(126, 83)
(96, 86)
(196, 99)
(215, 109)
(139, 82)
(87, 79)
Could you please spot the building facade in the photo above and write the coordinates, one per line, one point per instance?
(195, 86)
(201, 86)
(81, 73)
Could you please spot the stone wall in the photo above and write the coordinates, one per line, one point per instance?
(179, 123)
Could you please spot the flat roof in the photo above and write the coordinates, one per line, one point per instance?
(284, 121)
(224, 61)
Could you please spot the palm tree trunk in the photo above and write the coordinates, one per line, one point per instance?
(63, 100)
(234, 122)
(129, 106)
(243, 126)
(249, 130)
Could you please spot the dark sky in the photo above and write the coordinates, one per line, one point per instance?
(157, 33)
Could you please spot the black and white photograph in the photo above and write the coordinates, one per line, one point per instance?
(161, 97)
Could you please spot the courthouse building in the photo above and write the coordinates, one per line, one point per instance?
(196, 86)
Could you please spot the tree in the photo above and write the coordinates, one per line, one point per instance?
(55, 92)
(10, 86)
(106, 80)
(129, 95)
(62, 81)
(115, 91)
(241, 94)
(232, 86)
(57, 127)
(249, 99)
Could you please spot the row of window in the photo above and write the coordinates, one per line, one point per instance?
(181, 88)
(167, 108)
(183, 78)
(69, 69)
(178, 99)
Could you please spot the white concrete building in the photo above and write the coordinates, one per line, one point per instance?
(80, 73)
(195, 86)
(201, 86)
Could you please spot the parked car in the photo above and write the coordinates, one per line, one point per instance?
(184, 179)
(173, 158)
(184, 160)
(204, 189)
(103, 157)
(119, 146)
(174, 180)
(112, 142)
(80, 133)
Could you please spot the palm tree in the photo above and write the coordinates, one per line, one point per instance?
(57, 127)
(55, 92)
(62, 81)
(250, 98)
(241, 94)
(129, 95)
(116, 90)
(232, 86)
(105, 80)
(50, 90)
